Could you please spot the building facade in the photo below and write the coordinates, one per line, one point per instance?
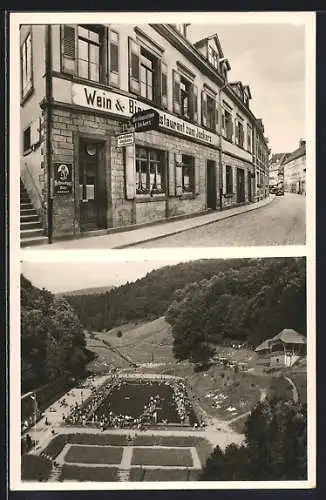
(294, 167)
(80, 86)
(276, 170)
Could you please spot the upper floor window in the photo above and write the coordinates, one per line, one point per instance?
(212, 57)
(89, 45)
(26, 67)
(227, 125)
(228, 180)
(27, 139)
(239, 134)
(185, 97)
(249, 134)
(147, 74)
(211, 113)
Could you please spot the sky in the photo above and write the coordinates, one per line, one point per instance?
(271, 59)
(65, 276)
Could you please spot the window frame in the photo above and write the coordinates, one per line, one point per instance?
(100, 44)
(28, 89)
(191, 188)
(228, 130)
(228, 180)
(210, 117)
(27, 149)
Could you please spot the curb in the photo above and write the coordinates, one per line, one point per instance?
(227, 216)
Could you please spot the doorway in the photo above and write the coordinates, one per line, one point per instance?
(240, 185)
(211, 184)
(92, 185)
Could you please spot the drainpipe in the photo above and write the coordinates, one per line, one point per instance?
(220, 149)
(48, 94)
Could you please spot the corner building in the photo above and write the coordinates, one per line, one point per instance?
(80, 86)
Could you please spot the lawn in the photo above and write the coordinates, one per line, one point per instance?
(94, 454)
(140, 474)
(97, 474)
(164, 457)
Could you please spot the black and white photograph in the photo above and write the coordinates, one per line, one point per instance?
(162, 251)
(173, 135)
(155, 371)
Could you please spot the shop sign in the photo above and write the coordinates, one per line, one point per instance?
(126, 107)
(126, 139)
(62, 178)
(148, 119)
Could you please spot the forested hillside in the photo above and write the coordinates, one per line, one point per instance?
(148, 297)
(250, 304)
(52, 338)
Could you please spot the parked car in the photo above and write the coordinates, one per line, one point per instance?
(280, 192)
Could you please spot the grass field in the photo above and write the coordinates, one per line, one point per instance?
(94, 454)
(96, 474)
(164, 457)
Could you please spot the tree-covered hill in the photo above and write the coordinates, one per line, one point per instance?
(52, 338)
(249, 303)
(148, 297)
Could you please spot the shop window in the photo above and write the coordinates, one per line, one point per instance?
(150, 171)
(228, 180)
(228, 126)
(213, 57)
(89, 53)
(26, 67)
(27, 140)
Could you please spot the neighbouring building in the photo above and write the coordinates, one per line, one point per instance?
(276, 170)
(295, 170)
(80, 86)
(284, 349)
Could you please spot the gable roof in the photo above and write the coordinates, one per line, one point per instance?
(263, 346)
(214, 37)
(278, 157)
(289, 336)
(297, 153)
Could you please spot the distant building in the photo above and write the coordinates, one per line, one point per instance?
(276, 169)
(284, 349)
(295, 170)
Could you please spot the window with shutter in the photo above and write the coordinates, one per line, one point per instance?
(26, 67)
(150, 171)
(197, 176)
(195, 103)
(210, 112)
(134, 66)
(89, 52)
(113, 58)
(164, 85)
(188, 174)
(203, 108)
(176, 92)
(178, 174)
(68, 49)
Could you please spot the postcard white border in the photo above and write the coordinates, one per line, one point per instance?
(17, 255)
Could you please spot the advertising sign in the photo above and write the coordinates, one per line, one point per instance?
(149, 119)
(62, 178)
(126, 139)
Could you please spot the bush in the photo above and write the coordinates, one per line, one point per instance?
(119, 334)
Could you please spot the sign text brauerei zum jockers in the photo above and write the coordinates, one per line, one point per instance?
(120, 105)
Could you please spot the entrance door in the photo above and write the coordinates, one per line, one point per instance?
(249, 186)
(240, 185)
(211, 184)
(91, 186)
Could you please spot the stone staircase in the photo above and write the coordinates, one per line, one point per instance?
(123, 474)
(31, 230)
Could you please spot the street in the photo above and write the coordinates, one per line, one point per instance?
(282, 222)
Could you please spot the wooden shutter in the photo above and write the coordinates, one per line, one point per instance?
(113, 56)
(68, 48)
(178, 174)
(217, 118)
(164, 85)
(197, 175)
(134, 66)
(176, 92)
(195, 103)
(203, 108)
(157, 81)
(171, 174)
(130, 172)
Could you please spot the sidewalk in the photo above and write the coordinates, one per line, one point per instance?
(140, 235)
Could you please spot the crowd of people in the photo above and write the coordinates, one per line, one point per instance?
(96, 409)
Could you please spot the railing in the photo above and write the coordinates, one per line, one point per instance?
(35, 187)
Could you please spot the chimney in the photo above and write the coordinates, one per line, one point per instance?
(302, 143)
